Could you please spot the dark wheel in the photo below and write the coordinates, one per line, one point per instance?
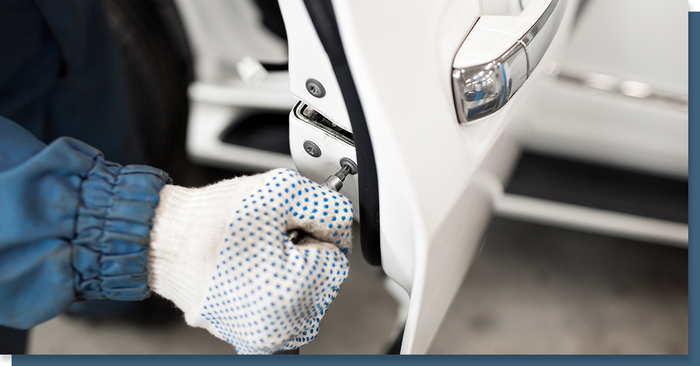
(158, 70)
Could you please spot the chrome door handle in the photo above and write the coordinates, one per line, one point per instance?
(499, 54)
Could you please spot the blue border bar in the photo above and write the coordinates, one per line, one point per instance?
(693, 171)
(308, 360)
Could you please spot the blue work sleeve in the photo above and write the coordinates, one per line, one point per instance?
(72, 226)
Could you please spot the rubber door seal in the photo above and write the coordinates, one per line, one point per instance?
(323, 18)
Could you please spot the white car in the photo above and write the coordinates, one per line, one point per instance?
(564, 112)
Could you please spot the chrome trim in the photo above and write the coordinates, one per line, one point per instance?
(612, 84)
(540, 36)
(520, 41)
(482, 90)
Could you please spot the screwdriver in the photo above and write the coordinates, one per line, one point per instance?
(334, 183)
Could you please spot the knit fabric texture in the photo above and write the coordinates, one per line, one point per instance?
(221, 253)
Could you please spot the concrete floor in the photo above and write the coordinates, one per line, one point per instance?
(533, 290)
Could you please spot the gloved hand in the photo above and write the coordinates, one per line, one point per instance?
(221, 254)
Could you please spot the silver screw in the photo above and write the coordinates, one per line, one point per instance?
(312, 149)
(315, 88)
(349, 165)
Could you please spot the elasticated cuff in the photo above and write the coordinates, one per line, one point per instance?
(187, 225)
(110, 251)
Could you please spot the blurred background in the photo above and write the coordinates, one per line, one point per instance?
(533, 289)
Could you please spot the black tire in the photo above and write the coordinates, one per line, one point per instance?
(158, 70)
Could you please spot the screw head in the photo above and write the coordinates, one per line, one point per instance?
(312, 149)
(315, 88)
(350, 164)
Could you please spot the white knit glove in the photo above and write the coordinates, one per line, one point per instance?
(222, 255)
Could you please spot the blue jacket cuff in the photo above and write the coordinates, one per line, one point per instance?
(110, 250)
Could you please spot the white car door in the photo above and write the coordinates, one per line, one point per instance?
(420, 95)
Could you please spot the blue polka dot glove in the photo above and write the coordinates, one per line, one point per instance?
(222, 255)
